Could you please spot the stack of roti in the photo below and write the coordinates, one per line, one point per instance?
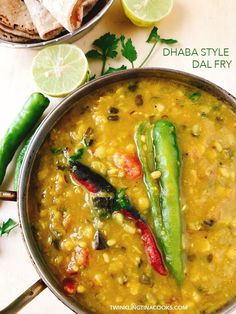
(35, 20)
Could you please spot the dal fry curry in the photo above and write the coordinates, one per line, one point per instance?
(91, 205)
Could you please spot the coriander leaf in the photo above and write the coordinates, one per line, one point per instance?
(121, 200)
(93, 54)
(153, 36)
(112, 70)
(168, 41)
(6, 227)
(78, 155)
(215, 108)
(91, 77)
(194, 96)
(153, 39)
(128, 50)
(85, 142)
(107, 45)
(57, 150)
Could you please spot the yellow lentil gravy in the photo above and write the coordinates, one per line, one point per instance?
(101, 126)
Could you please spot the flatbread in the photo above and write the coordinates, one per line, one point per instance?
(69, 13)
(18, 33)
(15, 16)
(46, 25)
(13, 38)
(88, 5)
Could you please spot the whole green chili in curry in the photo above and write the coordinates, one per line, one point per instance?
(159, 155)
(167, 157)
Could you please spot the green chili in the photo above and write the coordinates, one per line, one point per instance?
(19, 161)
(146, 158)
(158, 150)
(24, 122)
(168, 163)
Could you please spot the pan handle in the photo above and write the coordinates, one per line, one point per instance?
(24, 298)
(35, 289)
(8, 196)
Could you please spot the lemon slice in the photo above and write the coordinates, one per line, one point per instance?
(59, 70)
(146, 12)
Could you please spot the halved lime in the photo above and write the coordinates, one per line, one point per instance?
(58, 70)
(146, 12)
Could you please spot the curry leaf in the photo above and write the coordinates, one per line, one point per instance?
(6, 227)
(128, 50)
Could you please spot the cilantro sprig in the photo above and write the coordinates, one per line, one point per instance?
(107, 48)
(128, 50)
(6, 227)
(154, 38)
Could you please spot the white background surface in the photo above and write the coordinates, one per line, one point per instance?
(195, 24)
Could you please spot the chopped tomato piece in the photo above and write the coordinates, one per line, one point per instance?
(78, 260)
(69, 285)
(129, 163)
(82, 256)
(72, 267)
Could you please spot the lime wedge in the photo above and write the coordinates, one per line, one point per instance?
(146, 13)
(58, 70)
